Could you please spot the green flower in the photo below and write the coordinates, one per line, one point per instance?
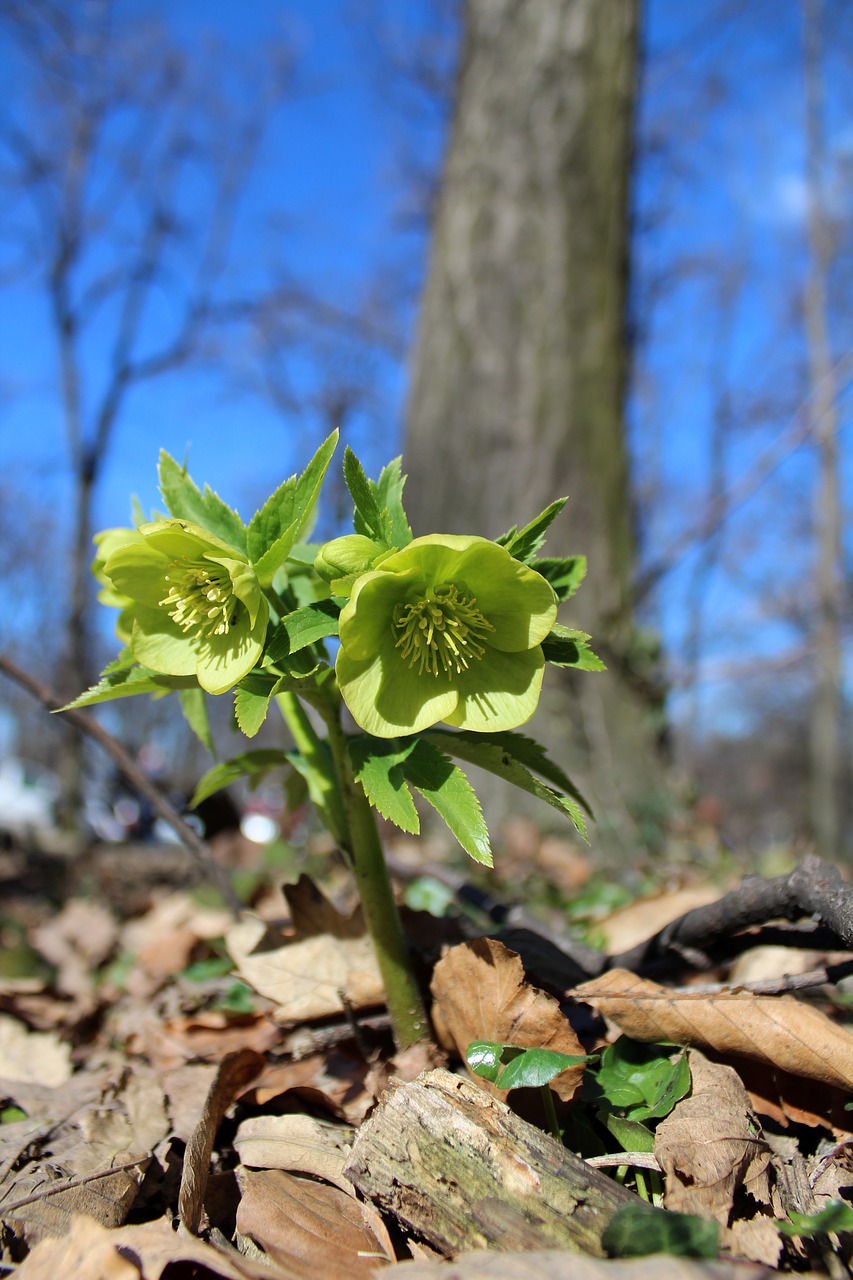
(106, 542)
(197, 604)
(450, 628)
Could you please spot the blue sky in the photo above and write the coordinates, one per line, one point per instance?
(730, 186)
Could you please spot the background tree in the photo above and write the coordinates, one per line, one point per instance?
(521, 359)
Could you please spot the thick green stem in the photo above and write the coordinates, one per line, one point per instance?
(405, 1005)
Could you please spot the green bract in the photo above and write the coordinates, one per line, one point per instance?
(450, 628)
(198, 607)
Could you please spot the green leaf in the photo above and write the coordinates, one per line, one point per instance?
(318, 773)
(504, 755)
(564, 574)
(249, 764)
(282, 519)
(371, 517)
(640, 1080)
(512, 1066)
(252, 701)
(185, 501)
(630, 1134)
(637, 1230)
(301, 628)
(834, 1216)
(194, 707)
(379, 767)
(389, 494)
(126, 682)
(524, 543)
(443, 785)
(565, 647)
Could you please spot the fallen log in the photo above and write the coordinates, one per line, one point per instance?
(462, 1171)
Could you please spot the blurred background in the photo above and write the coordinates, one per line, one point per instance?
(589, 247)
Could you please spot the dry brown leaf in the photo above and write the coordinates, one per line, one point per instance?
(480, 994)
(38, 1204)
(209, 1036)
(235, 1072)
(297, 1144)
(629, 926)
(315, 1231)
(90, 1252)
(559, 1265)
(754, 1239)
(710, 1145)
(330, 961)
(76, 941)
(783, 1032)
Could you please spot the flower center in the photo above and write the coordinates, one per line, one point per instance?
(442, 632)
(201, 599)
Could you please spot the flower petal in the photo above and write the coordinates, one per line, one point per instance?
(499, 692)
(223, 660)
(160, 644)
(388, 698)
(137, 571)
(367, 618)
(518, 602)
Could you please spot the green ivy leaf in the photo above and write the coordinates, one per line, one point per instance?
(185, 501)
(637, 1230)
(283, 518)
(194, 707)
(511, 1066)
(249, 764)
(564, 574)
(565, 647)
(642, 1081)
(301, 628)
(834, 1216)
(370, 518)
(503, 755)
(524, 543)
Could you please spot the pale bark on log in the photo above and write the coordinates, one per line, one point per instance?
(464, 1172)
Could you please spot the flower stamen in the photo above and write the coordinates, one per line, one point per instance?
(441, 632)
(200, 598)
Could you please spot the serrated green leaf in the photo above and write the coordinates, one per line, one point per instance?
(565, 647)
(185, 501)
(524, 543)
(283, 518)
(564, 574)
(126, 682)
(443, 785)
(301, 628)
(507, 755)
(389, 493)
(370, 517)
(194, 707)
(379, 767)
(252, 701)
(318, 773)
(249, 764)
(637, 1230)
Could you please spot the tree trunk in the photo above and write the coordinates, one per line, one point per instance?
(520, 366)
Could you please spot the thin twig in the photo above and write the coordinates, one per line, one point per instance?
(72, 1184)
(198, 850)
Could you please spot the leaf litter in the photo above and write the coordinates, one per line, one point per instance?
(178, 1070)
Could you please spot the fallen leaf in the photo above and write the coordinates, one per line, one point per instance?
(778, 1030)
(77, 940)
(88, 1252)
(628, 926)
(297, 1144)
(37, 1057)
(710, 1145)
(234, 1074)
(480, 994)
(313, 1230)
(328, 963)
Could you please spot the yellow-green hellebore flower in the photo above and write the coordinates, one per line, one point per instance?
(198, 607)
(450, 628)
(106, 542)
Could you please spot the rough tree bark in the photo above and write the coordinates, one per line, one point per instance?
(520, 365)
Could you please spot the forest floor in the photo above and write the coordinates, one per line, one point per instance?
(183, 1093)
